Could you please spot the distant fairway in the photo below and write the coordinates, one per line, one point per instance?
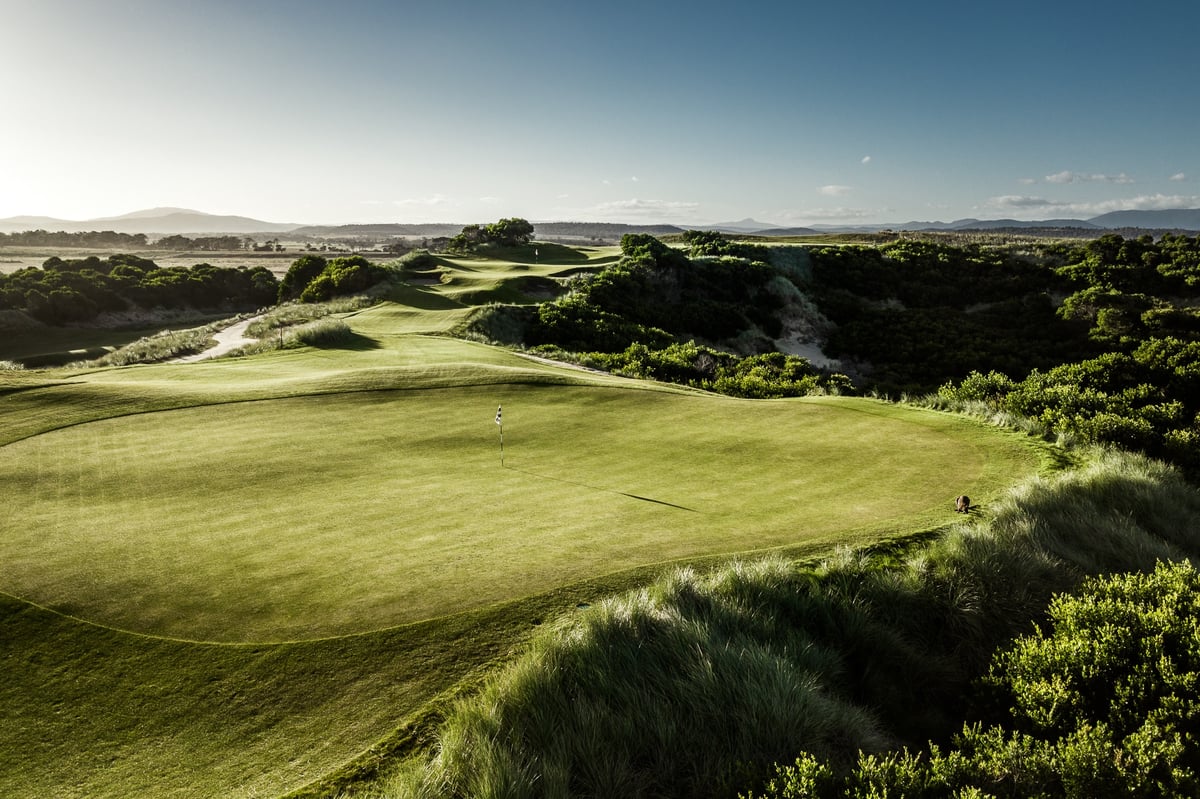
(336, 513)
(231, 578)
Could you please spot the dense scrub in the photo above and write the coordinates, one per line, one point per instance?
(695, 685)
(767, 375)
(311, 278)
(1099, 341)
(78, 290)
(1100, 701)
(918, 314)
(656, 295)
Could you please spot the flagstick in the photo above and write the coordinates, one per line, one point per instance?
(500, 423)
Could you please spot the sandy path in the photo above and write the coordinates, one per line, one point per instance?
(228, 340)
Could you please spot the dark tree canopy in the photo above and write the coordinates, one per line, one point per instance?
(511, 232)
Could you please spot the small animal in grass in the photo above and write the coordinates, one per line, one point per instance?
(962, 504)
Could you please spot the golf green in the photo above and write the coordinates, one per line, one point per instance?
(331, 514)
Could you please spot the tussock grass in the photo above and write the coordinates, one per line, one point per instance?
(164, 346)
(696, 684)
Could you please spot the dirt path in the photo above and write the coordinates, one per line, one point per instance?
(228, 340)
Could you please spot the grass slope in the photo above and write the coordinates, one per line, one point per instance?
(229, 578)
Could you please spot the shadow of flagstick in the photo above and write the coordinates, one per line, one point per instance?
(597, 488)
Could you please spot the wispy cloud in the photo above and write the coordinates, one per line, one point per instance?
(835, 190)
(435, 201)
(1179, 177)
(1018, 201)
(866, 159)
(1142, 202)
(653, 209)
(824, 214)
(1066, 176)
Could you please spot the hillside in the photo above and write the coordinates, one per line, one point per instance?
(163, 221)
(382, 548)
(370, 552)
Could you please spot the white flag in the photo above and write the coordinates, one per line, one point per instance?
(498, 408)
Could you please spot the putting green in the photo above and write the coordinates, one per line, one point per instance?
(330, 514)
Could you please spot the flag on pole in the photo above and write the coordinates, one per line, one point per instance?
(498, 409)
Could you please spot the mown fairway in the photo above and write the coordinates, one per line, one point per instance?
(230, 578)
(339, 513)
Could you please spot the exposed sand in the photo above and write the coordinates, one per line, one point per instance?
(228, 340)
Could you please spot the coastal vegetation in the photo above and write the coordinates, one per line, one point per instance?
(702, 561)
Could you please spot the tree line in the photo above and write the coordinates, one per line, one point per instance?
(77, 291)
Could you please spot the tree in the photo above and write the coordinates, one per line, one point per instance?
(302, 272)
(510, 232)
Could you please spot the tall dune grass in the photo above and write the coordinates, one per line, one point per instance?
(697, 684)
(164, 346)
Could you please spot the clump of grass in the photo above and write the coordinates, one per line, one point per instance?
(11, 366)
(324, 333)
(297, 313)
(697, 684)
(164, 346)
(296, 324)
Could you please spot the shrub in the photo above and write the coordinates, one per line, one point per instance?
(1101, 703)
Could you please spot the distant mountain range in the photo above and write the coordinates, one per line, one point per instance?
(182, 221)
(1183, 219)
(161, 221)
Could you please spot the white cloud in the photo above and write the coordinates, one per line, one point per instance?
(1066, 176)
(657, 209)
(835, 191)
(436, 201)
(866, 159)
(1027, 181)
(1083, 210)
(489, 200)
(1018, 201)
(633, 179)
(824, 214)
(1179, 177)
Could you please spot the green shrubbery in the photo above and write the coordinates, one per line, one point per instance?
(313, 279)
(1147, 400)
(78, 290)
(654, 296)
(1102, 702)
(762, 376)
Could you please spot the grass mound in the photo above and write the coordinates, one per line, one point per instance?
(695, 686)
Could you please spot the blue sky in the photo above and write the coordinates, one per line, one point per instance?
(699, 112)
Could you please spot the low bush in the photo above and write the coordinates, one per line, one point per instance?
(1101, 702)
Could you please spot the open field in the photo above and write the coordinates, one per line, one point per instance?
(230, 578)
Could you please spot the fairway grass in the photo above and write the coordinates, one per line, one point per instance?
(231, 578)
(342, 513)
